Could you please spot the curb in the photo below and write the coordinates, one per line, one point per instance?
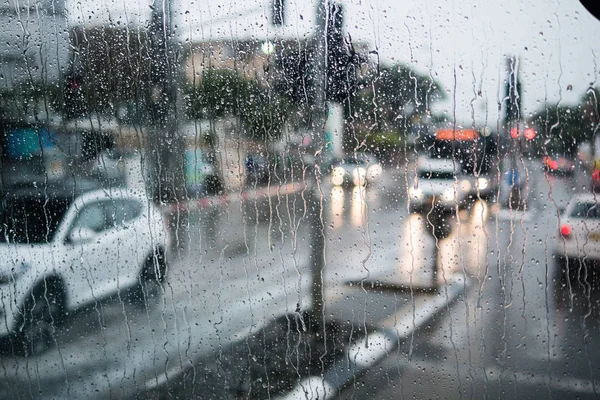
(244, 195)
(363, 355)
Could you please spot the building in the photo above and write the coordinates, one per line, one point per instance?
(34, 42)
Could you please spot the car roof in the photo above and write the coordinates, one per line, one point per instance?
(114, 193)
(585, 198)
(70, 191)
(55, 189)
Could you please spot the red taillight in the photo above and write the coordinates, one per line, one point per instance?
(565, 230)
(596, 175)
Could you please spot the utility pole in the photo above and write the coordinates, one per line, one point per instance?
(319, 117)
(165, 147)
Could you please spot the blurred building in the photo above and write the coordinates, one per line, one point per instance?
(248, 58)
(34, 42)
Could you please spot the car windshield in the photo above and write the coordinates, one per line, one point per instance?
(436, 175)
(586, 210)
(353, 161)
(30, 220)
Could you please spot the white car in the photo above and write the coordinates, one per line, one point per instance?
(438, 185)
(579, 232)
(59, 251)
(357, 170)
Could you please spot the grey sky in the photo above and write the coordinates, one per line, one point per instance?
(462, 43)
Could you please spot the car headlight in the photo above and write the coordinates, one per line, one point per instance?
(337, 176)
(415, 193)
(482, 183)
(465, 185)
(448, 195)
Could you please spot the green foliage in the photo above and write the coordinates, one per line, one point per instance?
(562, 128)
(389, 96)
(223, 92)
(26, 99)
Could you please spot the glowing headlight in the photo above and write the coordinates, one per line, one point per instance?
(465, 185)
(448, 195)
(337, 176)
(482, 183)
(415, 193)
(358, 177)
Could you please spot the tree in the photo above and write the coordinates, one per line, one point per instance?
(388, 97)
(223, 92)
(562, 128)
(110, 66)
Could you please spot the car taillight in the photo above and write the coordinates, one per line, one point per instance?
(565, 230)
(596, 175)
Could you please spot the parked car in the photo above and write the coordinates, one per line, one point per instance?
(358, 170)
(439, 184)
(60, 251)
(579, 233)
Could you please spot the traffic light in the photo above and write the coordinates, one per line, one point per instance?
(512, 91)
(341, 60)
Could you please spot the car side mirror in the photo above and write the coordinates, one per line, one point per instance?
(81, 235)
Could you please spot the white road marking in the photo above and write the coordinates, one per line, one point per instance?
(311, 388)
(361, 357)
(371, 349)
(410, 318)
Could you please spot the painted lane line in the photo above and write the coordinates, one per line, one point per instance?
(160, 380)
(312, 387)
(407, 321)
(369, 351)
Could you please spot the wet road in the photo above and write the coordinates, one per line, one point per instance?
(519, 332)
(516, 332)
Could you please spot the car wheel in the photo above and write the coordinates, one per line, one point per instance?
(43, 313)
(155, 267)
(152, 277)
(567, 269)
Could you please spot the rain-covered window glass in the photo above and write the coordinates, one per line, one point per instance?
(291, 199)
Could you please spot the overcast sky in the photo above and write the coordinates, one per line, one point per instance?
(462, 43)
